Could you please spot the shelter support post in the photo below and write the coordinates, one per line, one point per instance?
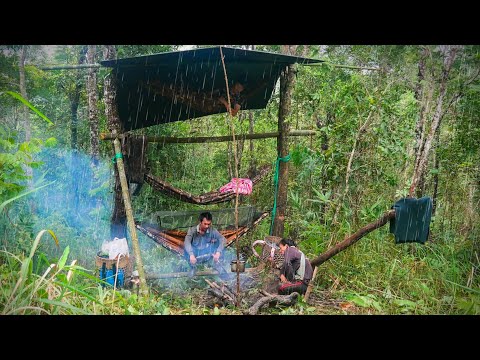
(129, 213)
(287, 81)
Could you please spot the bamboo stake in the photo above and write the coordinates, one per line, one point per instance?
(310, 285)
(130, 220)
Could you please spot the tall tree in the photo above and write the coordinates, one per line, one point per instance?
(25, 113)
(115, 127)
(22, 53)
(74, 98)
(287, 82)
(448, 54)
(92, 95)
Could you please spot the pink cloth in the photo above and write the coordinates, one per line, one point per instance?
(244, 186)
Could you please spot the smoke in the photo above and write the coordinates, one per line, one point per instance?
(77, 206)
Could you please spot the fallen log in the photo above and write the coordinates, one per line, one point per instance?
(287, 300)
(352, 239)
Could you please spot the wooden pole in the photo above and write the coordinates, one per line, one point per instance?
(185, 274)
(70, 67)
(287, 81)
(352, 239)
(130, 220)
(310, 285)
(205, 139)
(343, 66)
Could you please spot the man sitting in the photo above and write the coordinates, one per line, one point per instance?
(203, 244)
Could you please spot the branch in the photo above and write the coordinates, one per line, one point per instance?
(462, 92)
(352, 239)
(274, 299)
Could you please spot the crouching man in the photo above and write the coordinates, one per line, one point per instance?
(296, 271)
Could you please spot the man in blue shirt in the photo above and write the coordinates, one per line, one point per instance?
(203, 243)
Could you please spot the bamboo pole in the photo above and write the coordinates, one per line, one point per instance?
(205, 139)
(130, 220)
(343, 66)
(70, 67)
(86, 66)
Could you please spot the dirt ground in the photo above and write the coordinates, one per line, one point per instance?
(252, 282)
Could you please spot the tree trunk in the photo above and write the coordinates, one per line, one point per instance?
(23, 91)
(93, 105)
(450, 53)
(287, 81)
(435, 177)
(425, 102)
(118, 220)
(74, 102)
(349, 166)
(25, 114)
(253, 165)
(419, 92)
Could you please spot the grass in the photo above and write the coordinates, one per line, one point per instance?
(374, 276)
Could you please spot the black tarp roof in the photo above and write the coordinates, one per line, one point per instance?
(143, 82)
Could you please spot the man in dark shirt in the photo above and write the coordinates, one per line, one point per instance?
(203, 243)
(296, 271)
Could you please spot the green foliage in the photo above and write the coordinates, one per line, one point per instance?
(28, 104)
(372, 276)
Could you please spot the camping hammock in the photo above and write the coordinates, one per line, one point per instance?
(173, 239)
(213, 197)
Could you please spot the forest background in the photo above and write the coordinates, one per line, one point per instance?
(385, 116)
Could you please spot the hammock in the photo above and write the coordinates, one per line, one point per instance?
(213, 197)
(173, 239)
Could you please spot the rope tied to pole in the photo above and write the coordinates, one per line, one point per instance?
(117, 156)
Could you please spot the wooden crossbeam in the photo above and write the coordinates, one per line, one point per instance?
(205, 139)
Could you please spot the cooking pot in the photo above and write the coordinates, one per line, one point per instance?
(239, 263)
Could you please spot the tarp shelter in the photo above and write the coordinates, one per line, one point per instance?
(180, 85)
